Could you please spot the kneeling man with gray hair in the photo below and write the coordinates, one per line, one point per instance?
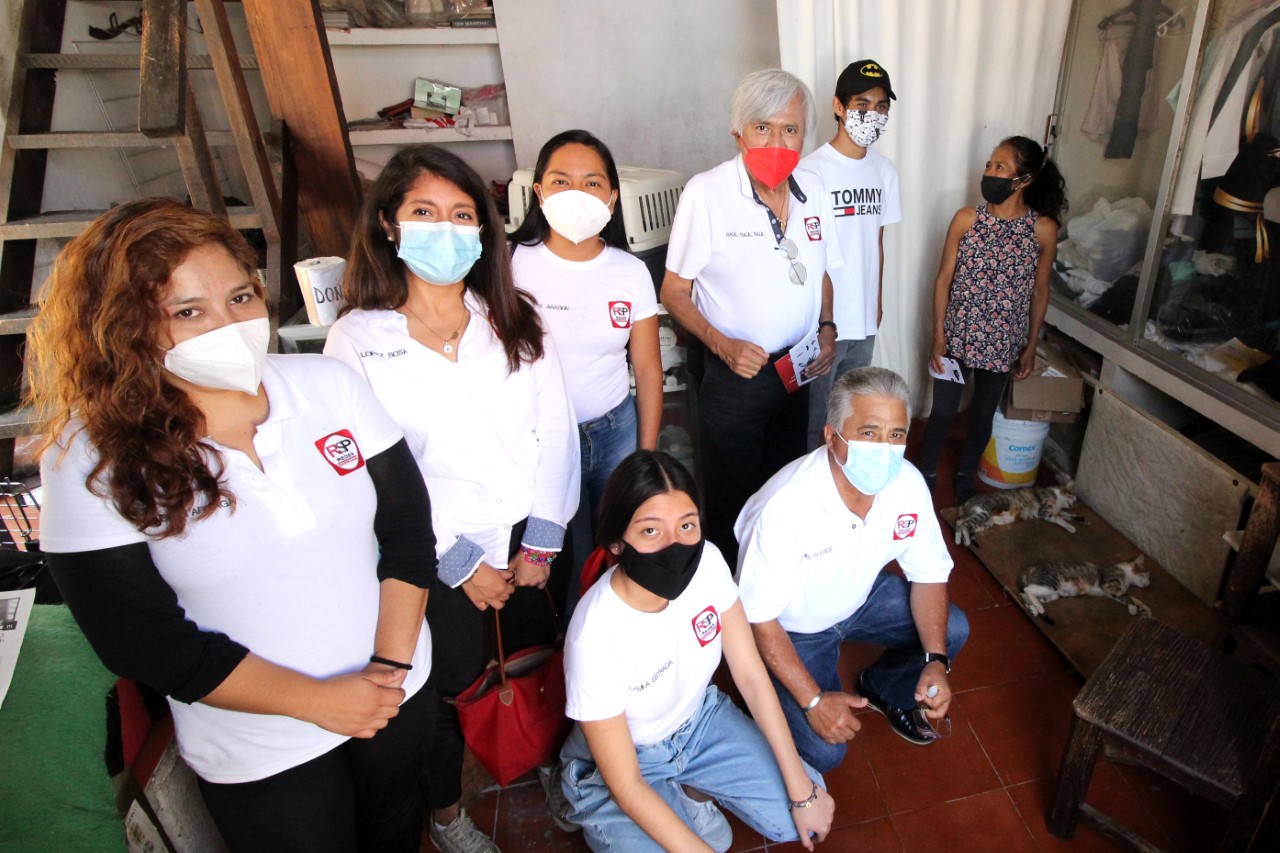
(814, 543)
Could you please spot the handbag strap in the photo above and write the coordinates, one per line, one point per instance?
(497, 624)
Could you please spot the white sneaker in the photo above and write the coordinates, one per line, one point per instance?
(557, 805)
(461, 836)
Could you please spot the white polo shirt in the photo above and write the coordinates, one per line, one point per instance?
(654, 667)
(809, 562)
(589, 307)
(864, 197)
(494, 447)
(721, 240)
(291, 574)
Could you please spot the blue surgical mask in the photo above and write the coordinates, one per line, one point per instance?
(439, 252)
(872, 465)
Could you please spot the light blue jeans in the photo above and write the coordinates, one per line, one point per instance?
(849, 356)
(604, 442)
(718, 751)
(884, 619)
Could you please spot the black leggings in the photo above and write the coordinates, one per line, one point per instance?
(360, 795)
(988, 387)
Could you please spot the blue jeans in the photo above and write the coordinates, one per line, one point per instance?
(604, 442)
(884, 619)
(718, 751)
(850, 355)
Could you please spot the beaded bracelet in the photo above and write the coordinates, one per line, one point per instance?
(804, 804)
(537, 557)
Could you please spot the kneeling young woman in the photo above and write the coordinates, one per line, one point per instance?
(657, 746)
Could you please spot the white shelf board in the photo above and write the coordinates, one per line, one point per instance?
(398, 36)
(408, 136)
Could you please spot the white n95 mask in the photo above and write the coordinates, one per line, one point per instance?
(230, 358)
(575, 215)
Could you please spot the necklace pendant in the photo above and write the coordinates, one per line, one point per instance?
(448, 348)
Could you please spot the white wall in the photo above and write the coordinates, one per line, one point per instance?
(652, 78)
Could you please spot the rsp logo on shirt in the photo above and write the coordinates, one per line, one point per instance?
(340, 450)
(813, 227)
(906, 526)
(706, 625)
(620, 314)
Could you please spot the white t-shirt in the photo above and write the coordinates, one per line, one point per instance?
(654, 667)
(863, 196)
(291, 574)
(494, 447)
(809, 562)
(589, 308)
(721, 240)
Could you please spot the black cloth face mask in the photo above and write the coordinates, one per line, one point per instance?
(996, 190)
(666, 572)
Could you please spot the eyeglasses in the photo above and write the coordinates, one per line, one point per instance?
(790, 251)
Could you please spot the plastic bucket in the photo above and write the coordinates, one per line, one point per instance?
(1012, 457)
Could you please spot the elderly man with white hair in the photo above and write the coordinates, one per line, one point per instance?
(746, 275)
(816, 541)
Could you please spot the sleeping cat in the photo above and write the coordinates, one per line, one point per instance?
(1005, 507)
(1038, 585)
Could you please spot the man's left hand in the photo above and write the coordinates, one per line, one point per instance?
(821, 365)
(934, 674)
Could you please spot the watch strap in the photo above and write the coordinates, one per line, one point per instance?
(930, 657)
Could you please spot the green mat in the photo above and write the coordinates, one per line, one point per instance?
(54, 790)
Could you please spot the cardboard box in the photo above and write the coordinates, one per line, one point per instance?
(1053, 392)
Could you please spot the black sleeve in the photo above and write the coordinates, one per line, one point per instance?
(134, 623)
(402, 522)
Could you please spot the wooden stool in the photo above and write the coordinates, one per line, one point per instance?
(1183, 710)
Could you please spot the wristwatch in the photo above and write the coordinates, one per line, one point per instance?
(824, 323)
(930, 657)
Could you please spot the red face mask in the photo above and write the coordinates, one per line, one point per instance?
(770, 166)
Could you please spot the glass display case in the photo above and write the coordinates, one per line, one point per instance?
(1167, 126)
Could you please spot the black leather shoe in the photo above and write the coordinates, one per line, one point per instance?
(899, 718)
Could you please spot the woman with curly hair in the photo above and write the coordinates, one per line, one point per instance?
(459, 357)
(237, 531)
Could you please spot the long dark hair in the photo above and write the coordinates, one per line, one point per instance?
(637, 478)
(94, 355)
(376, 278)
(1047, 192)
(535, 229)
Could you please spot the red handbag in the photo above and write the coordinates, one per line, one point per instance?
(512, 716)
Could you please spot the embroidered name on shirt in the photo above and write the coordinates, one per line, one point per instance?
(340, 450)
(197, 511)
(706, 625)
(744, 233)
(906, 526)
(816, 554)
(553, 307)
(652, 679)
(859, 202)
(813, 227)
(375, 354)
(620, 314)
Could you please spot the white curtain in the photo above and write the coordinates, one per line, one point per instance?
(967, 73)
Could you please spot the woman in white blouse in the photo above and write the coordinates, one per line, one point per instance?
(459, 358)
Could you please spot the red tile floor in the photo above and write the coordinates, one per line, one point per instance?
(986, 788)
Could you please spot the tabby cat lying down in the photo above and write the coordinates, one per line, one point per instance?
(1005, 507)
(1038, 585)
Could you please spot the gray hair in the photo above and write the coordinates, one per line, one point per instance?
(864, 382)
(763, 94)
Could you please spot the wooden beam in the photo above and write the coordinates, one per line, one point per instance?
(162, 97)
(197, 163)
(293, 54)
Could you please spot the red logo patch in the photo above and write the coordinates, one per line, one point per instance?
(340, 450)
(620, 314)
(906, 526)
(706, 625)
(813, 227)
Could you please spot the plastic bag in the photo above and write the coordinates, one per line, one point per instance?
(1111, 237)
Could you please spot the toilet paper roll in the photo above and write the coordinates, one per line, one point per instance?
(321, 283)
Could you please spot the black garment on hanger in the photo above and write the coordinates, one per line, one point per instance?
(1138, 60)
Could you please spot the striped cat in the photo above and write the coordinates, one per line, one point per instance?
(1038, 585)
(1005, 507)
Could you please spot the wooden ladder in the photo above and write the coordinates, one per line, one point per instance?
(168, 117)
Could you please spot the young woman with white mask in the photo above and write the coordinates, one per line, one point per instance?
(600, 305)
(209, 509)
(459, 358)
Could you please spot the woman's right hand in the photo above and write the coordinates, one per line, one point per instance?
(357, 704)
(936, 352)
(816, 819)
(489, 587)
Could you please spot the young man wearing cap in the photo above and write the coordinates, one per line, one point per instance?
(863, 188)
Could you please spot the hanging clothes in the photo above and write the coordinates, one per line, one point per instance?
(1101, 113)
(1139, 58)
